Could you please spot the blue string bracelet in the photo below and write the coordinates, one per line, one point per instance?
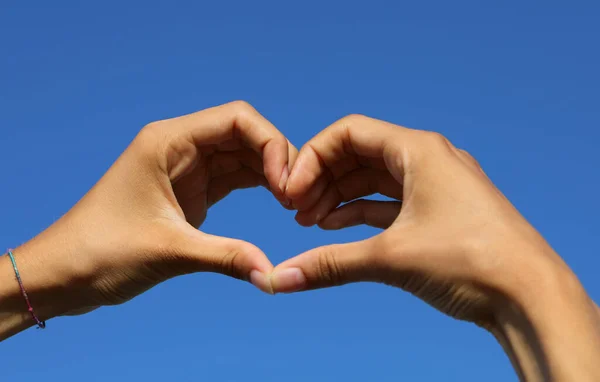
(40, 324)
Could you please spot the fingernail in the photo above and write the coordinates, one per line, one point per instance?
(284, 178)
(289, 202)
(260, 280)
(288, 280)
(290, 181)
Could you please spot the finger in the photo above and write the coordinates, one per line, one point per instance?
(306, 201)
(353, 135)
(232, 158)
(356, 184)
(373, 213)
(230, 145)
(226, 162)
(201, 252)
(189, 191)
(327, 266)
(315, 193)
(292, 156)
(221, 186)
(223, 163)
(239, 120)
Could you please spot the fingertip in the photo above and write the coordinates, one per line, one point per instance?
(276, 165)
(299, 179)
(283, 179)
(261, 281)
(288, 280)
(338, 219)
(292, 155)
(330, 224)
(304, 220)
(291, 188)
(287, 204)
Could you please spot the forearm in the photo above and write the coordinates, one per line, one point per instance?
(551, 329)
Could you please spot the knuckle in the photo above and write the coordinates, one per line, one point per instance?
(151, 131)
(279, 139)
(433, 146)
(353, 119)
(242, 108)
(229, 264)
(151, 136)
(436, 138)
(470, 157)
(328, 267)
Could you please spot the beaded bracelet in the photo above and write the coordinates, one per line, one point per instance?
(40, 324)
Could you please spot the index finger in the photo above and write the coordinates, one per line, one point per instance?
(352, 135)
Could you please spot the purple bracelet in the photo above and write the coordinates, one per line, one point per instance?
(40, 324)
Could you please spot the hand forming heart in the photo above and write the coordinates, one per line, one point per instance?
(451, 238)
(452, 244)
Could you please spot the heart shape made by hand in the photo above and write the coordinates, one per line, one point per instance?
(436, 243)
(450, 237)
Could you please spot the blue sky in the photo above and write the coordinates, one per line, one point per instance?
(515, 83)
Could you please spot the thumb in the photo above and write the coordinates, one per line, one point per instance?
(235, 258)
(328, 266)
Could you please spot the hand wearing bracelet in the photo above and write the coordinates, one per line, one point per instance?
(138, 225)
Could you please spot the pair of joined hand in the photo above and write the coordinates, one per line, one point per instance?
(450, 237)
(138, 226)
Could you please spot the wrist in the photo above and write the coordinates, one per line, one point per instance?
(547, 323)
(48, 277)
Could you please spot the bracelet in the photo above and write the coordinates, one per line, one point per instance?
(40, 324)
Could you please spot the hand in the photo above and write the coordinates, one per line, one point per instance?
(138, 226)
(447, 232)
(451, 238)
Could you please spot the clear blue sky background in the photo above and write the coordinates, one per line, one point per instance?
(515, 83)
